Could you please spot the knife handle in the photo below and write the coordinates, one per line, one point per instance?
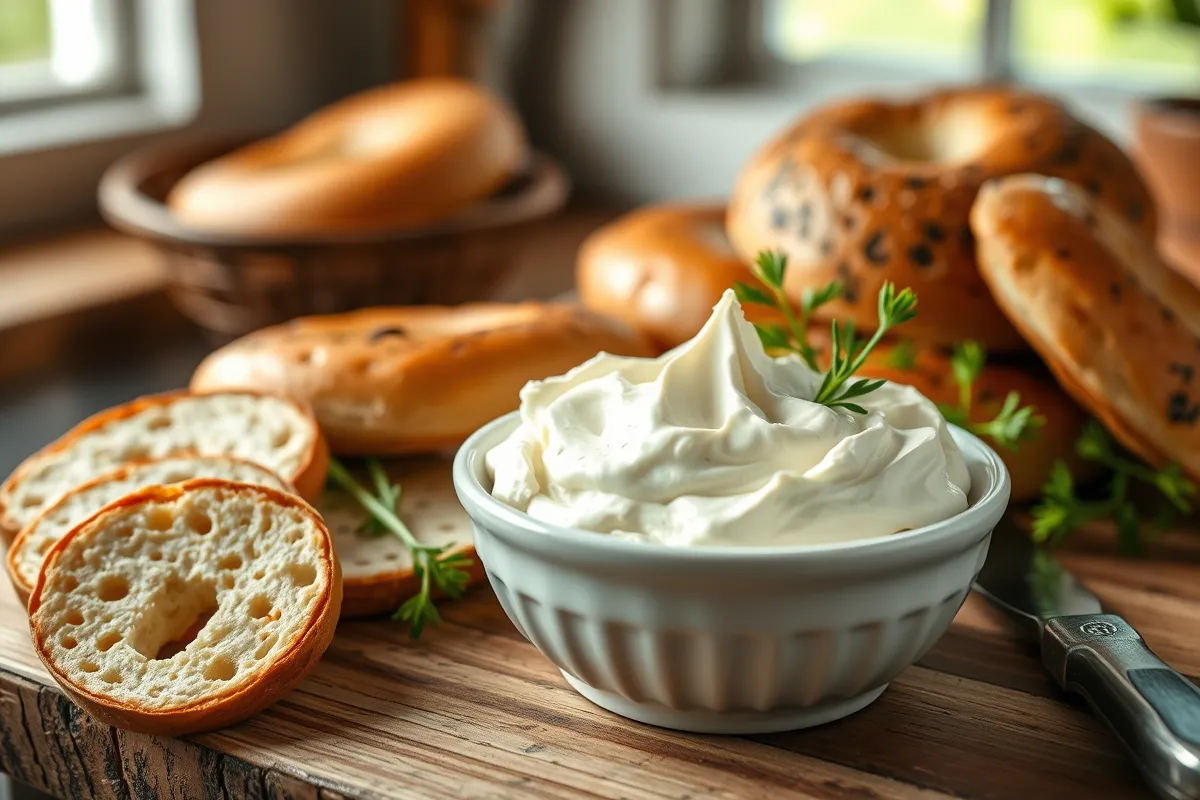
(1153, 709)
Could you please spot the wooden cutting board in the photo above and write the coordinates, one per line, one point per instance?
(473, 710)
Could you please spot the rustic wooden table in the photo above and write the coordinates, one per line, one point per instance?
(472, 710)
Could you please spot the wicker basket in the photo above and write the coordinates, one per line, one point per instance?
(235, 284)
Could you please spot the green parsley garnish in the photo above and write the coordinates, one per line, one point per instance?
(1062, 511)
(847, 354)
(1012, 424)
(432, 564)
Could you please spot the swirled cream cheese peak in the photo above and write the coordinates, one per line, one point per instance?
(718, 443)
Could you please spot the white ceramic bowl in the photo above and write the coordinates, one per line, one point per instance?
(729, 640)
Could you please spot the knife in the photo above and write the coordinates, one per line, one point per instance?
(1152, 709)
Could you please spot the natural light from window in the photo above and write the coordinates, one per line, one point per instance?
(1141, 44)
(49, 48)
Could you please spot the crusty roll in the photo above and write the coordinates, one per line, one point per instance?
(1028, 465)
(277, 433)
(35, 539)
(868, 191)
(1120, 329)
(395, 157)
(661, 269)
(377, 568)
(185, 608)
(412, 379)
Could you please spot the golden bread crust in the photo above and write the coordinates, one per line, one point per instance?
(661, 269)
(400, 380)
(223, 708)
(1119, 328)
(867, 191)
(394, 157)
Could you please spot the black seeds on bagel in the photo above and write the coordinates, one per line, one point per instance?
(866, 194)
(874, 249)
(1184, 371)
(1168, 315)
(1115, 292)
(1062, 253)
(1135, 210)
(1092, 187)
(915, 182)
(934, 232)
(921, 256)
(849, 283)
(1181, 410)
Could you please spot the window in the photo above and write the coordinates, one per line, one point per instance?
(84, 70)
(1112, 43)
(51, 49)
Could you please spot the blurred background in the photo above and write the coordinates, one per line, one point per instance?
(637, 100)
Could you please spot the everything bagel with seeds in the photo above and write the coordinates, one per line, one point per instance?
(868, 191)
(1119, 328)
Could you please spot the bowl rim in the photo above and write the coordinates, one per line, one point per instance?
(125, 206)
(973, 523)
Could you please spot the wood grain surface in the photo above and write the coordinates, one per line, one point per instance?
(473, 711)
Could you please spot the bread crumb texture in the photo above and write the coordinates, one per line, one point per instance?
(77, 505)
(260, 428)
(172, 602)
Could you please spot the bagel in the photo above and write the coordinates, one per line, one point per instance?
(35, 539)
(1029, 464)
(1119, 328)
(245, 572)
(276, 433)
(399, 156)
(411, 379)
(661, 269)
(869, 191)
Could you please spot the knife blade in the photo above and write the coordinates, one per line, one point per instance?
(1152, 709)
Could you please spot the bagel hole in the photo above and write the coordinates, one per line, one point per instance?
(89, 666)
(198, 521)
(259, 606)
(220, 669)
(73, 617)
(106, 640)
(110, 675)
(954, 136)
(231, 561)
(302, 574)
(160, 519)
(68, 642)
(113, 588)
(174, 616)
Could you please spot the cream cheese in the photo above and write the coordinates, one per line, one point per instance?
(716, 443)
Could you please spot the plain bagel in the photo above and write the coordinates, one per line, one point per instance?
(1118, 327)
(395, 157)
(413, 379)
(661, 269)
(867, 191)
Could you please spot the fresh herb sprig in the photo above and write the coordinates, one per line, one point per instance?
(1012, 424)
(847, 353)
(769, 268)
(387, 492)
(1062, 511)
(432, 564)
